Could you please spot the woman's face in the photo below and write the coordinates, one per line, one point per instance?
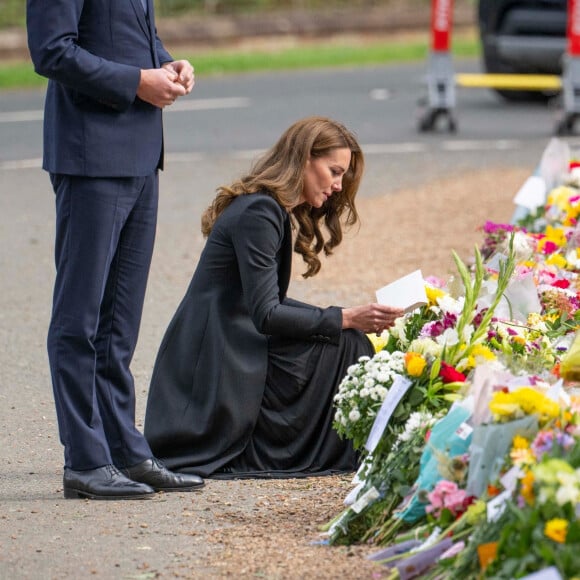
(323, 176)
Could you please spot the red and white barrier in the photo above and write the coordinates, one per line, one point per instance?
(441, 25)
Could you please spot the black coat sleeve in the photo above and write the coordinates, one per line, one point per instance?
(257, 240)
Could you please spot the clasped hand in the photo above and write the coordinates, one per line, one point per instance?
(370, 318)
(162, 86)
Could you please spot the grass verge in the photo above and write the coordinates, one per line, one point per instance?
(350, 52)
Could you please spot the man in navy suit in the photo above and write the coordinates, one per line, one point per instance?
(109, 79)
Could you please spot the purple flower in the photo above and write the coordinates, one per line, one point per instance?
(542, 443)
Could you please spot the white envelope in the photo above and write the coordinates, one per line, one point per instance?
(407, 292)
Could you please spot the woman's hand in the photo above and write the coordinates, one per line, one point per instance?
(370, 318)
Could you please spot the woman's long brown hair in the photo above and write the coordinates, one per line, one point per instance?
(280, 174)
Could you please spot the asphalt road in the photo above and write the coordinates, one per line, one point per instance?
(214, 132)
(210, 137)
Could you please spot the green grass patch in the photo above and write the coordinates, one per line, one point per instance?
(207, 63)
(19, 76)
(320, 56)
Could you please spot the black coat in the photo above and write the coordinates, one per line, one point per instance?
(210, 373)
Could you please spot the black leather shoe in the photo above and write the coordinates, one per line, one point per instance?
(105, 482)
(154, 473)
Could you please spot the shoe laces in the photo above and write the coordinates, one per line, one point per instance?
(113, 471)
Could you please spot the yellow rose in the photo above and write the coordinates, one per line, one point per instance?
(414, 363)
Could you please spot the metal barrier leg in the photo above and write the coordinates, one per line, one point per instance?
(440, 93)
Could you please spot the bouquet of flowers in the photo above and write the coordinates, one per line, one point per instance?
(469, 437)
(421, 369)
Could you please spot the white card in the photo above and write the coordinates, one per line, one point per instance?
(550, 573)
(532, 194)
(407, 292)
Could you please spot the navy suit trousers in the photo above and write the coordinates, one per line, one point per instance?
(105, 231)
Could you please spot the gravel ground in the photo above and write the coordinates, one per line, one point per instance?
(241, 529)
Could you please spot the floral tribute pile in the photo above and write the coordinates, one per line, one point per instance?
(467, 418)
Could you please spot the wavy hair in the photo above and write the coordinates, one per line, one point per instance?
(280, 173)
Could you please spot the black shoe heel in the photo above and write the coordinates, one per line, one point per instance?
(73, 494)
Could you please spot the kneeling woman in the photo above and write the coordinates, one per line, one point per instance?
(244, 380)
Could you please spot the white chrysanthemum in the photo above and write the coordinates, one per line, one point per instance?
(368, 384)
(352, 369)
(354, 415)
(417, 421)
(383, 355)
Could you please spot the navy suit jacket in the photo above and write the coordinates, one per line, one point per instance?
(92, 52)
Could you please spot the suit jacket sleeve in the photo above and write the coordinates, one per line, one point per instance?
(53, 30)
(257, 241)
(162, 53)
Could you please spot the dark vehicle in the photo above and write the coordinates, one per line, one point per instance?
(523, 37)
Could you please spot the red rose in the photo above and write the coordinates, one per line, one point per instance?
(450, 375)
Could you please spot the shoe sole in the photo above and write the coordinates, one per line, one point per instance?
(176, 489)
(78, 494)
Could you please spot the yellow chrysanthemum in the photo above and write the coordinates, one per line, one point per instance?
(414, 363)
(503, 405)
(483, 352)
(532, 401)
(520, 442)
(556, 529)
(523, 401)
